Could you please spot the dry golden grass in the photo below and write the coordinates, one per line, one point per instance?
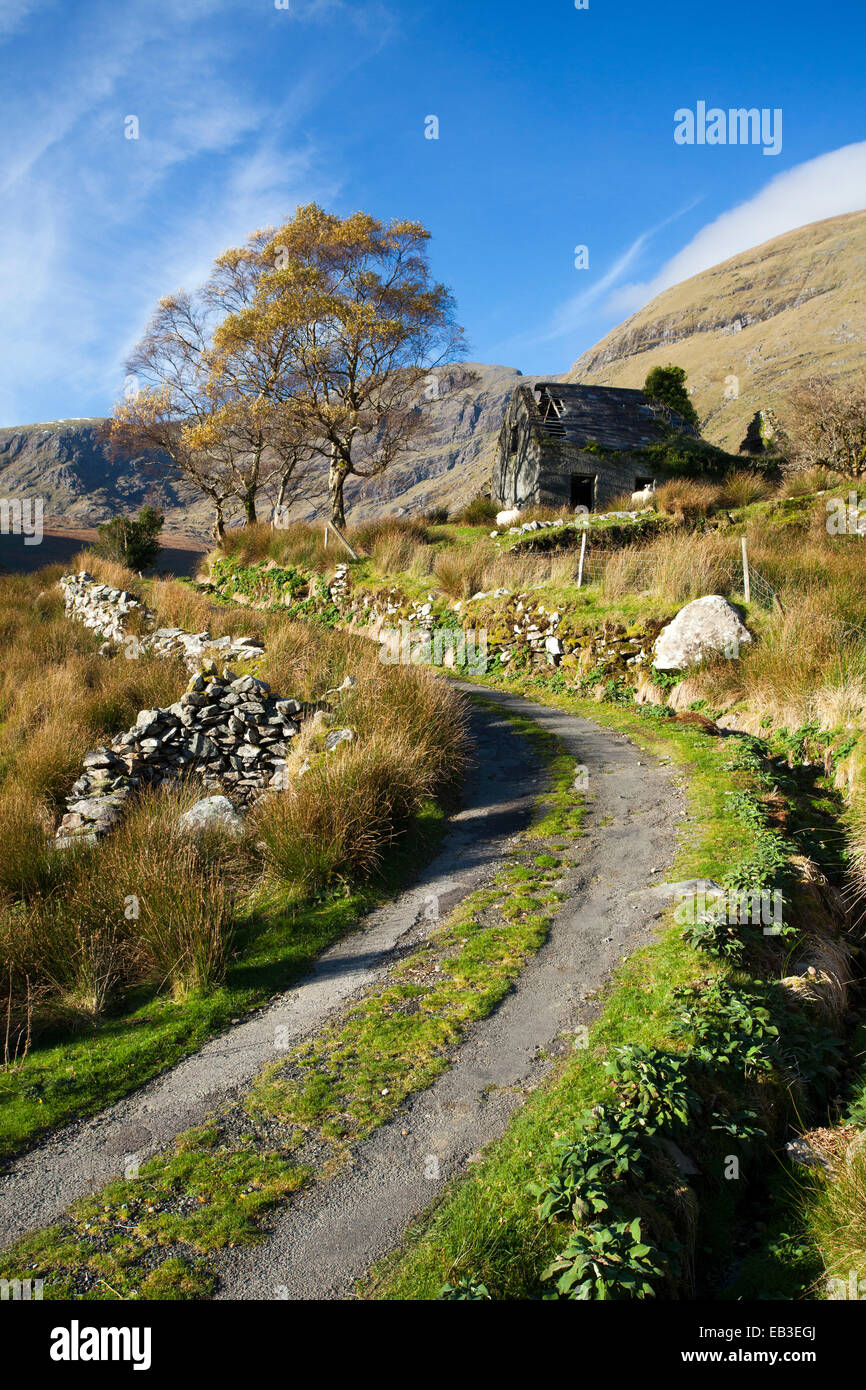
(66, 943)
(835, 1215)
(807, 480)
(296, 544)
(687, 499)
(675, 568)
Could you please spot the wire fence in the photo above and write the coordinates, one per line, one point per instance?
(622, 571)
(761, 590)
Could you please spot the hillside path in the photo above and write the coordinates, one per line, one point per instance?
(82, 1156)
(326, 1241)
(334, 1231)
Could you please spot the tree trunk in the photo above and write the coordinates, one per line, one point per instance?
(277, 518)
(250, 508)
(219, 526)
(336, 479)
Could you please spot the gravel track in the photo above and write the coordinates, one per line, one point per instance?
(333, 1232)
(84, 1155)
(320, 1246)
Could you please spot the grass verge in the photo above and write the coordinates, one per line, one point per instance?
(486, 1237)
(145, 1237)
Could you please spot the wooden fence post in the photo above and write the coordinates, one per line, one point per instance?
(747, 587)
(340, 537)
(580, 566)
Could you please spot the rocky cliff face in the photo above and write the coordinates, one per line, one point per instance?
(748, 329)
(67, 464)
(453, 461)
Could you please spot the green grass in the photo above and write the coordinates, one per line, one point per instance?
(275, 945)
(149, 1237)
(486, 1226)
(354, 1074)
(145, 1237)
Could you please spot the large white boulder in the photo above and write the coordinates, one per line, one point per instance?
(703, 628)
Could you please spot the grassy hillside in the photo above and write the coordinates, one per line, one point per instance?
(792, 307)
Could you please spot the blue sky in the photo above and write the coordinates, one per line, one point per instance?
(556, 129)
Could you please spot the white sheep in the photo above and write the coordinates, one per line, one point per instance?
(508, 518)
(645, 496)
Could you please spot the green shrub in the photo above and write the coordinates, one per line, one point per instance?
(131, 541)
(477, 512)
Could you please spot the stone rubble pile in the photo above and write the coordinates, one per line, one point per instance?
(196, 647)
(231, 731)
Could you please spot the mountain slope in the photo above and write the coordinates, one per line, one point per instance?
(67, 464)
(792, 307)
(453, 461)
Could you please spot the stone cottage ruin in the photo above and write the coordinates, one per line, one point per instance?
(564, 444)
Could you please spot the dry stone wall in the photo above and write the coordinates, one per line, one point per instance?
(106, 611)
(231, 731)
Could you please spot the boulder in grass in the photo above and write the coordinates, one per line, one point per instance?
(338, 736)
(706, 627)
(213, 813)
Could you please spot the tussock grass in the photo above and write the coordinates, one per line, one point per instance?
(297, 544)
(688, 499)
(835, 1216)
(70, 948)
(462, 573)
(673, 567)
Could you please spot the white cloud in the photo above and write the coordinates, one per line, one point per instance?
(828, 186)
(15, 14)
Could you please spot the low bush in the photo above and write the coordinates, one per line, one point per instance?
(131, 541)
(477, 512)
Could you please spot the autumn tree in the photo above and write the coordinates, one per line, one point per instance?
(349, 306)
(826, 422)
(215, 412)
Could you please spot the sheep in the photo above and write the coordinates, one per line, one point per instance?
(508, 518)
(645, 496)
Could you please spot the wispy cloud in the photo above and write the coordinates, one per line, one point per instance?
(94, 227)
(15, 14)
(573, 313)
(827, 186)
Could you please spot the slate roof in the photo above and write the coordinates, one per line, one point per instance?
(615, 417)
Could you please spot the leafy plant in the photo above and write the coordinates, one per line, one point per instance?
(589, 1165)
(656, 1086)
(716, 937)
(728, 1026)
(467, 1289)
(606, 1262)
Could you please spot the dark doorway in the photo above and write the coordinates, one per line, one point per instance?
(582, 488)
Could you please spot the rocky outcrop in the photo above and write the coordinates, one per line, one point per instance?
(706, 627)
